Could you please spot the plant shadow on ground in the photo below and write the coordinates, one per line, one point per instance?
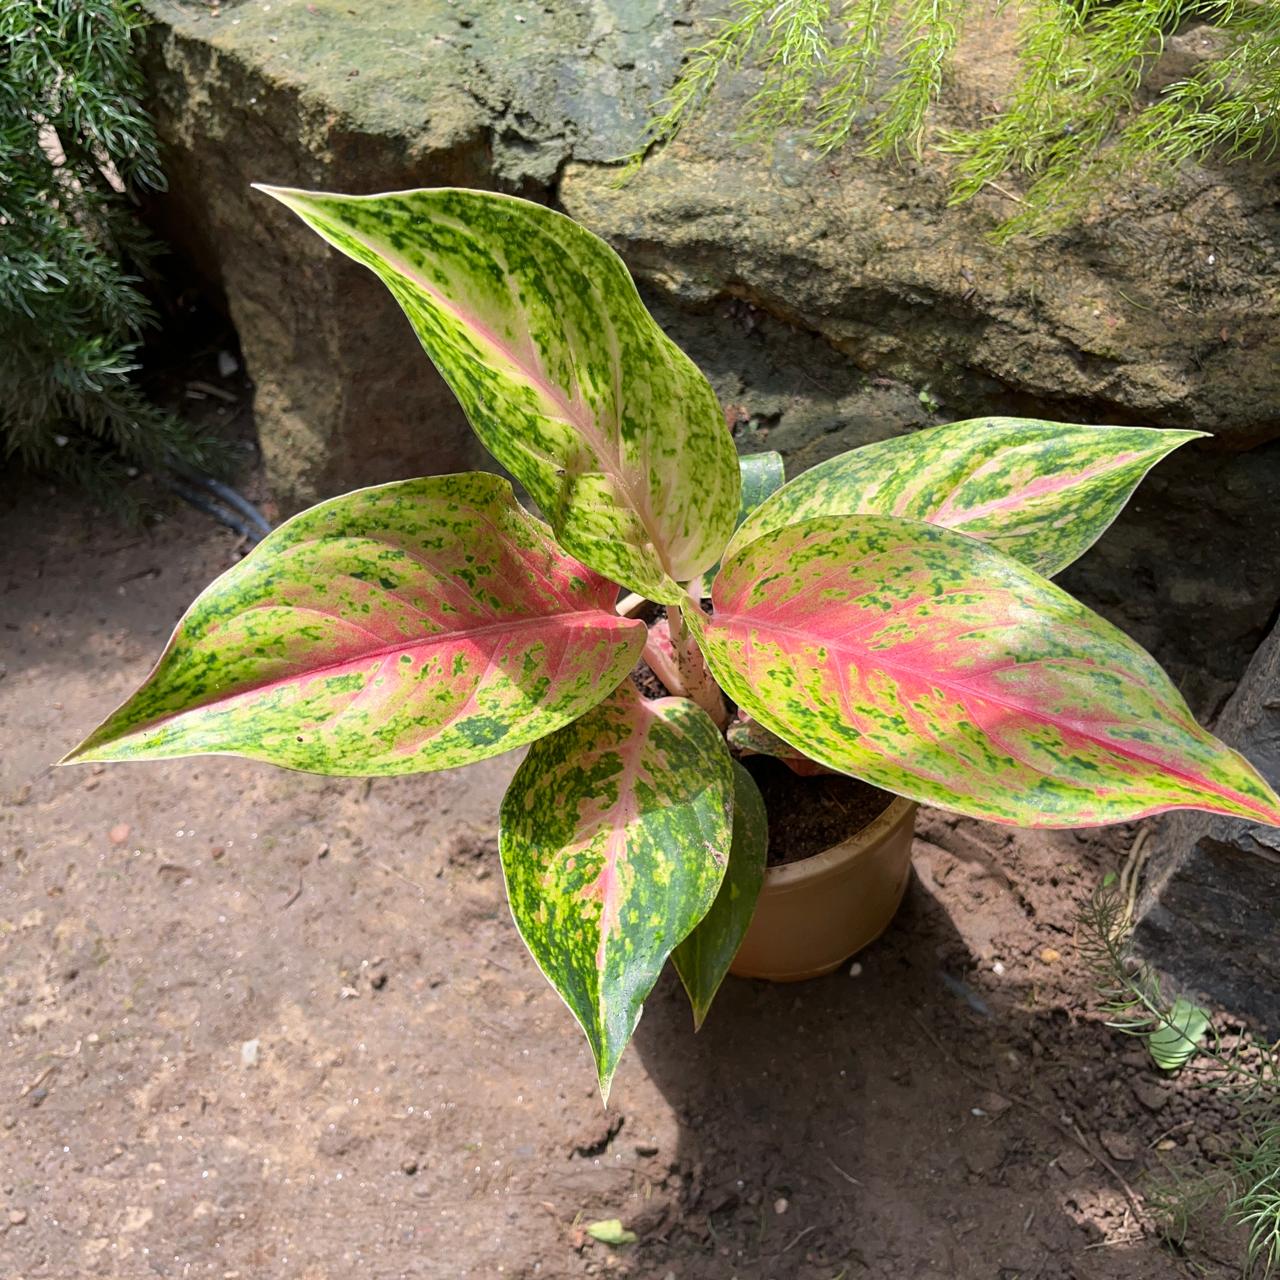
(923, 1115)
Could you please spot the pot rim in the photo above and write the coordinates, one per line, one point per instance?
(821, 865)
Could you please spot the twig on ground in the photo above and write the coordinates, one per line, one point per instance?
(39, 1080)
(294, 896)
(400, 875)
(1008, 195)
(801, 1236)
(848, 1177)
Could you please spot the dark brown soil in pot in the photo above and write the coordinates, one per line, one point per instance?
(808, 815)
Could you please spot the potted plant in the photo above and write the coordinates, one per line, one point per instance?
(887, 616)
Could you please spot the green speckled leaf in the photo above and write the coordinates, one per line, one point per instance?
(704, 957)
(615, 835)
(1043, 492)
(938, 667)
(763, 474)
(537, 327)
(404, 628)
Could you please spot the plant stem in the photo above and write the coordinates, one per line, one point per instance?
(694, 675)
(660, 654)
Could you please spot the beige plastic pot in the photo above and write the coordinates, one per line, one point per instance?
(814, 914)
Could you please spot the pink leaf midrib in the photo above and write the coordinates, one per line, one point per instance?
(622, 813)
(1042, 486)
(558, 621)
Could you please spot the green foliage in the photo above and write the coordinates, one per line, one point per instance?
(1256, 1202)
(74, 146)
(1180, 1035)
(1073, 121)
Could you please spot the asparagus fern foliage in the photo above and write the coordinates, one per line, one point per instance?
(1077, 117)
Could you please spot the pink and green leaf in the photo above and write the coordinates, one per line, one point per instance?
(566, 378)
(409, 627)
(704, 957)
(938, 667)
(615, 836)
(1043, 492)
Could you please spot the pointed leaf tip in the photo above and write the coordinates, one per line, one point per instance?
(1043, 492)
(702, 960)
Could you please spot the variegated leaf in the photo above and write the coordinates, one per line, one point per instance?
(409, 627)
(704, 957)
(932, 665)
(1041, 491)
(566, 378)
(615, 835)
(763, 474)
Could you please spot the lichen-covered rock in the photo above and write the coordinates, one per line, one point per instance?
(385, 95)
(1208, 915)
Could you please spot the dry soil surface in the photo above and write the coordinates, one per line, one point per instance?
(260, 1024)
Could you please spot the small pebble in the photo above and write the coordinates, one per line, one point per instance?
(998, 969)
(855, 970)
(249, 1053)
(1119, 1146)
(1050, 956)
(17, 1217)
(409, 1166)
(781, 1205)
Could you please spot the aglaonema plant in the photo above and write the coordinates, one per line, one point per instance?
(887, 614)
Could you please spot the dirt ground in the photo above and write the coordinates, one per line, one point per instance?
(260, 1024)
